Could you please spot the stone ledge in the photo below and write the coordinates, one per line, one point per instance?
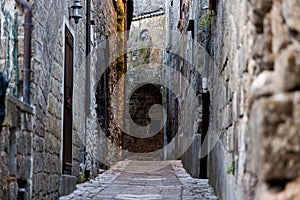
(14, 110)
(67, 184)
(148, 15)
(22, 106)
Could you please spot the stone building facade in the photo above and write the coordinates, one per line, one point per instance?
(252, 96)
(47, 146)
(252, 93)
(109, 86)
(255, 99)
(181, 57)
(143, 62)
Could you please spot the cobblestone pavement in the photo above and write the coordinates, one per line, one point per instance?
(144, 180)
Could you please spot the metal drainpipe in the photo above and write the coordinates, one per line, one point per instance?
(88, 62)
(27, 48)
(88, 51)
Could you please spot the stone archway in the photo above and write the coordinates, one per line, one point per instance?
(140, 103)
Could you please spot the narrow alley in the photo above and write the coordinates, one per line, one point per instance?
(144, 180)
(150, 99)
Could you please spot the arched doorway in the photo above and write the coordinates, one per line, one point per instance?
(140, 102)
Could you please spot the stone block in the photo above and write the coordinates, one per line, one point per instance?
(278, 155)
(38, 162)
(38, 183)
(228, 116)
(52, 104)
(290, 192)
(23, 167)
(38, 144)
(264, 85)
(67, 184)
(280, 37)
(57, 71)
(28, 143)
(21, 143)
(260, 8)
(287, 69)
(291, 14)
(47, 162)
(55, 87)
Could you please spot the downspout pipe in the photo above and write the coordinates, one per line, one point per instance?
(27, 48)
(88, 71)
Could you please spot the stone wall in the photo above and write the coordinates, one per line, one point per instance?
(17, 135)
(108, 85)
(255, 99)
(16, 150)
(11, 42)
(141, 7)
(86, 133)
(47, 96)
(184, 119)
(140, 103)
(143, 63)
(34, 156)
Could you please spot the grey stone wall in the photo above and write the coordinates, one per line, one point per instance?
(255, 100)
(183, 118)
(108, 85)
(11, 42)
(139, 105)
(47, 95)
(16, 150)
(143, 63)
(37, 155)
(143, 6)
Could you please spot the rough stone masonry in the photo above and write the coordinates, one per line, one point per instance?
(255, 99)
(31, 151)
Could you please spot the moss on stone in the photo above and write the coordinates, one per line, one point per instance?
(231, 168)
(206, 20)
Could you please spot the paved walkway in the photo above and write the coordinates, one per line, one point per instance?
(144, 180)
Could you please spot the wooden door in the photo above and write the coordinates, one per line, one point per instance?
(68, 104)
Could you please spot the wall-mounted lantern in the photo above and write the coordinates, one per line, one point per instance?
(75, 11)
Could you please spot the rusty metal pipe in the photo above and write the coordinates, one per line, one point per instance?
(27, 48)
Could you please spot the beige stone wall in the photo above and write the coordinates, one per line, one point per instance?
(110, 43)
(49, 21)
(143, 64)
(255, 100)
(47, 94)
(48, 53)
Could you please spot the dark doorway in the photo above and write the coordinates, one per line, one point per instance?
(68, 104)
(140, 103)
